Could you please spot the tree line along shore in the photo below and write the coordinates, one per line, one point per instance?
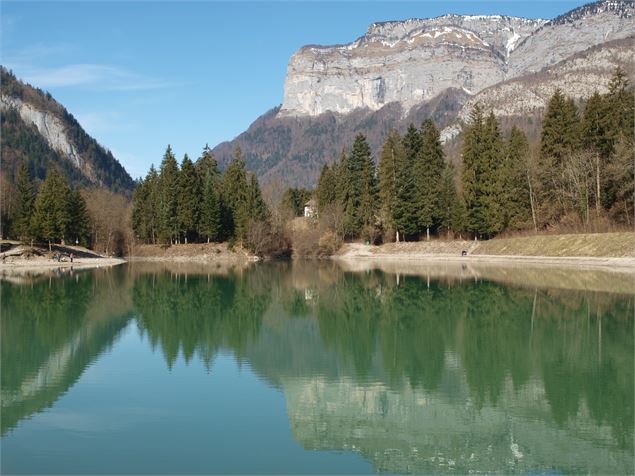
(578, 176)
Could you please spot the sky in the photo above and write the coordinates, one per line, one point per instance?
(139, 75)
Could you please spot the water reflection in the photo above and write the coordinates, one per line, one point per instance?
(428, 371)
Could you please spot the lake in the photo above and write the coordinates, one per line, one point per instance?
(317, 368)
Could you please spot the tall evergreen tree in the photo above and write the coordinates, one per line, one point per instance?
(560, 137)
(560, 129)
(235, 194)
(360, 187)
(207, 164)
(326, 192)
(25, 198)
(391, 161)
(210, 222)
(51, 215)
(188, 200)
(412, 142)
(428, 171)
(257, 209)
(78, 230)
(168, 197)
(152, 205)
(405, 211)
(482, 156)
(450, 213)
(516, 203)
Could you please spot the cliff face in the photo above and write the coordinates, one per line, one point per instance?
(406, 62)
(414, 60)
(404, 71)
(39, 130)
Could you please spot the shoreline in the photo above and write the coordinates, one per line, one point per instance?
(45, 264)
(577, 262)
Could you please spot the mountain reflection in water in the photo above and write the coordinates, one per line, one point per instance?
(437, 370)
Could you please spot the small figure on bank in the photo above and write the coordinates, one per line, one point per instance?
(72, 256)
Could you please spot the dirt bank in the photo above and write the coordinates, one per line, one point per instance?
(194, 252)
(583, 250)
(15, 256)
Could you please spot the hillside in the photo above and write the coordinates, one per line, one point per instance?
(404, 71)
(38, 129)
(294, 149)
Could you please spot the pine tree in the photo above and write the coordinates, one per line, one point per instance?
(428, 171)
(151, 209)
(326, 192)
(515, 186)
(359, 187)
(235, 194)
(210, 222)
(168, 192)
(482, 157)
(79, 223)
(206, 165)
(391, 161)
(25, 198)
(493, 162)
(412, 142)
(257, 209)
(619, 123)
(559, 139)
(188, 200)
(51, 215)
(405, 213)
(449, 213)
(620, 100)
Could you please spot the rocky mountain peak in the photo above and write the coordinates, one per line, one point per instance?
(414, 60)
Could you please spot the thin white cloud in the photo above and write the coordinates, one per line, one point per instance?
(95, 76)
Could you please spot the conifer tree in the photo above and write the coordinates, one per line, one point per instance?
(257, 209)
(450, 214)
(482, 156)
(428, 171)
(210, 222)
(139, 204)
(206, 165)
(360, 189)
(25, 198)
(168, 192)
(515, 186)
(560, 129)
(151, 210)
(188, 200)
(326, 192)
(391, 161)
(51, 215)
(235, 194)
(412, 142)
(405, 212)
(79, 221)
(559, 139)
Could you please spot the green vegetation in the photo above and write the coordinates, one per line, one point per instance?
(195, 203)
(21, 142)
(582, 177)
(56, 213)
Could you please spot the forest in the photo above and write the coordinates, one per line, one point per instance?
(578, 177)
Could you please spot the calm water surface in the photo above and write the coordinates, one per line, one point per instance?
(310, 368)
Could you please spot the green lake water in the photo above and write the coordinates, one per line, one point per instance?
(317, 368)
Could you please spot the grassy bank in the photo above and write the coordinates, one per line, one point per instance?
(199, 252)
(592, 246)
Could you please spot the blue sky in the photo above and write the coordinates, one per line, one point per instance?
(140, 75)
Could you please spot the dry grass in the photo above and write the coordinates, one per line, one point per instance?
(614, 245)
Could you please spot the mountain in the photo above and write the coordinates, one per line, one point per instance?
(38, 129)
(402, 71)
